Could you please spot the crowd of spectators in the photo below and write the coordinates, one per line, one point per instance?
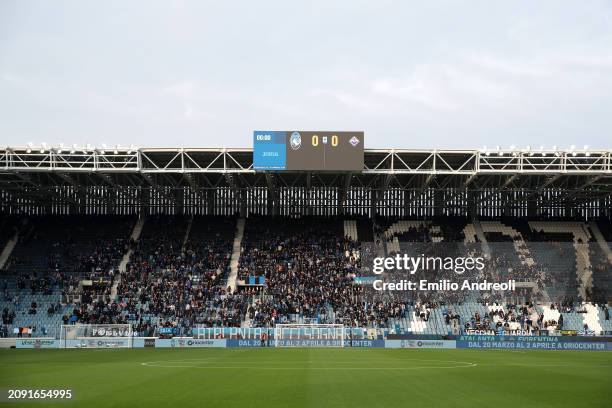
(174, 282)
(177, 277)
(308, 271)
(510, 317)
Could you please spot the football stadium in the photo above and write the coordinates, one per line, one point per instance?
(306, 204)
(142, 275)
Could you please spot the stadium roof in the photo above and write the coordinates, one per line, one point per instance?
(561, 178)
(240, 160)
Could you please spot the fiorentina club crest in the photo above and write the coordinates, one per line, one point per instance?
(354, 141)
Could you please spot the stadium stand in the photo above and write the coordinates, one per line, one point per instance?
(289, 270)
(305, 264)
(177, 275)
(59, 263)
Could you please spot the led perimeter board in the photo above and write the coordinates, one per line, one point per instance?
(306, 150)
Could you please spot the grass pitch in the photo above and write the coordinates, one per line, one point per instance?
(286, 378)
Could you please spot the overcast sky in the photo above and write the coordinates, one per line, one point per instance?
(411, 74)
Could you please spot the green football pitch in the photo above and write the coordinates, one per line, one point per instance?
(285, 378)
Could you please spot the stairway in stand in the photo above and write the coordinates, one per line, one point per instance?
(135, 236)
(231, 280)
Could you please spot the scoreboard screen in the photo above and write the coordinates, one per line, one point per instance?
(302, 150)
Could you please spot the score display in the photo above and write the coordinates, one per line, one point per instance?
(307, 150)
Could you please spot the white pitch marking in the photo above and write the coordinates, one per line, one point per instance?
(163, 364)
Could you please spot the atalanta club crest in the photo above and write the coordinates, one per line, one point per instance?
(295, 141)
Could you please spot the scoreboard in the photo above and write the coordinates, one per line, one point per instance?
(306, 150)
